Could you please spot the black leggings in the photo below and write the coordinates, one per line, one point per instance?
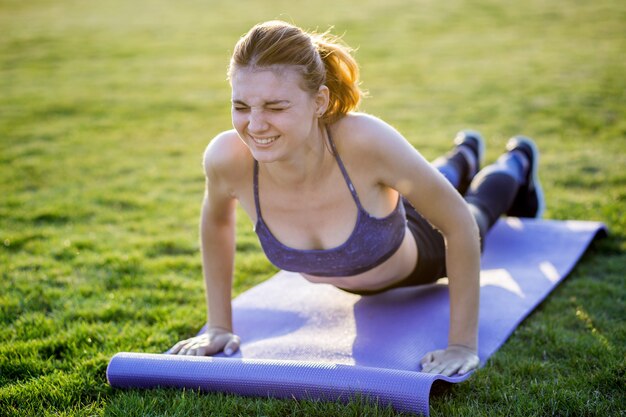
(489, 194)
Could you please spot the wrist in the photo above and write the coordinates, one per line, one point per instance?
(462, 347)
(224, 329)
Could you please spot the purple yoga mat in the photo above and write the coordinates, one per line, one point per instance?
(314, 341)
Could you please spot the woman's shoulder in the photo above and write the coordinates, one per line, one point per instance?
(361, 132)
(227, 156)
(358, 122)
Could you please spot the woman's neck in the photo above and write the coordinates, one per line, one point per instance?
(308, 165)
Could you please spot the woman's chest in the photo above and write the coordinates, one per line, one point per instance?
(320, 215)
(314, 218)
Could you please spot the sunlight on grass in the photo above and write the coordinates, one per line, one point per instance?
(583, 316)
(107, 108)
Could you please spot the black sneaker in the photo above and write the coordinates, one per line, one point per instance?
(473, 141)
(529, 201)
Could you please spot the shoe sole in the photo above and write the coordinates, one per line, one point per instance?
(481, 144)
(541, 204)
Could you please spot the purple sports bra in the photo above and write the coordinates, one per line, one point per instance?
(371, 243)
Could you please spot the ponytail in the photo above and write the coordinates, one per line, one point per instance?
(342, 76)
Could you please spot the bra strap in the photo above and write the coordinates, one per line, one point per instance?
(346, 177)
(257, 205)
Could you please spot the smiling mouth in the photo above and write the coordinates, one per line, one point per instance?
(264, 141)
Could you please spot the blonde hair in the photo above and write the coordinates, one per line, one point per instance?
(321, 59)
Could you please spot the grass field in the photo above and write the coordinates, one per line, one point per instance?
(106, 107)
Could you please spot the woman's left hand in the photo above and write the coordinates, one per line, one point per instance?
(455, 359)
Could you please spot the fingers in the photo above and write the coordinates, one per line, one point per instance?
(431, 363)
(429, 357)
(178, 347)
(197, 349)
(465, 368)
(429, 368)
(451, 368)
(205, 345)
(444, 368)
(432, 358)
(232, 346)
(440, 367)
(469, 366)
(189, 347)
(201, 351)
(190, 350)
(449, 362)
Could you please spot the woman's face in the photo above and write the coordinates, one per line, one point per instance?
(271, 112)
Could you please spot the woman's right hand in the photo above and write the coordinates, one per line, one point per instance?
(213, 341)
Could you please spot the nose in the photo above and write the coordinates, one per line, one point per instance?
(257, 121)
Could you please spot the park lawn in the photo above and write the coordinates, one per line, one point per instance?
(106, 108)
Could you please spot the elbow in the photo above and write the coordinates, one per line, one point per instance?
(465, 230)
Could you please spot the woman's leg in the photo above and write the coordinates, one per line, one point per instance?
(509, 186)
(463, 162)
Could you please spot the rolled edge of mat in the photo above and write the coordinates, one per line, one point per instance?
(403, 390)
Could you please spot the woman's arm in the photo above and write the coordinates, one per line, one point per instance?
(401, 167)
(217, 236)
(445, 209)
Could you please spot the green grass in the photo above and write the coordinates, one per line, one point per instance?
(106, 107)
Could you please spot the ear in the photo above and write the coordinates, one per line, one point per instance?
(322, 99)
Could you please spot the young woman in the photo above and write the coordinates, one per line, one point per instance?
(341, 197)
